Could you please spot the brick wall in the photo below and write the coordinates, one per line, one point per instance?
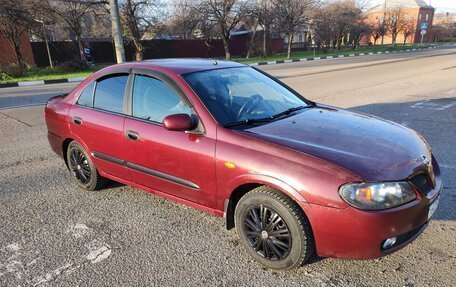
(7, 55)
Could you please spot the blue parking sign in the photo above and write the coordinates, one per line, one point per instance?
(424, 26)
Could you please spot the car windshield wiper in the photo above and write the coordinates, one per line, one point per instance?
(248, 122)
(289, 111)
(267, 119)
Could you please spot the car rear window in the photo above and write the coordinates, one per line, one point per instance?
(86, 97)
(109, 93)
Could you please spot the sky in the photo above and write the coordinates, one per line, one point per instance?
(444, 5)
(440, 5)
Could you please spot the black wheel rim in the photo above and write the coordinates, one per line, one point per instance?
(79, 166)
(267, 233)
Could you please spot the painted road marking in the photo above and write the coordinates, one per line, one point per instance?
(14, 267)
(429, 105)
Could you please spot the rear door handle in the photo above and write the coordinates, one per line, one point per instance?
(77, 120)
(132, 135)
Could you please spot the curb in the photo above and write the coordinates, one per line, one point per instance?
(338, 56)
(39, 83)
(77, 80)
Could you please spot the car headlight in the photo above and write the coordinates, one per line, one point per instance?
(377, 196)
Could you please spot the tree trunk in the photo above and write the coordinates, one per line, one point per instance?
(18, 54)
(139, 49)
(226, 46)
(265, 40)
(393, 36)
(290, 41)
(82, 55)
(252, 40)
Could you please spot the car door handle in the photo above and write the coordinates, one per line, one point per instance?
(132, 135)
(77, 120)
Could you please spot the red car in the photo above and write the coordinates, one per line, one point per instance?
(293, 176)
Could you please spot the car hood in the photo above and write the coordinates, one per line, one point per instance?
(373, 148)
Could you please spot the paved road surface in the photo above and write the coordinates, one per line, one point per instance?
(53, 234)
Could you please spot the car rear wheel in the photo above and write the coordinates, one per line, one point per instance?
(82, 168)
(273, 229)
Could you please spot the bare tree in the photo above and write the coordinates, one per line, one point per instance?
(15, 20)
(137, 16)
(291, 16)
(409, 28)
(185, 18)
(357, 31)
(395, 22)
(266, 17)
(74, 14)
(226, 14)
(377, 30)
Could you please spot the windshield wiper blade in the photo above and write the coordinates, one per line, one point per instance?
(267, 119)
(248, 122)
(289, 111)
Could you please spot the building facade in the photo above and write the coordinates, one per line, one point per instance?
(416, 13)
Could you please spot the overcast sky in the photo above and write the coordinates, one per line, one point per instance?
(444, 5)
(440, 5)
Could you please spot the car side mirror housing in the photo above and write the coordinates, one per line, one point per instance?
(179, 122)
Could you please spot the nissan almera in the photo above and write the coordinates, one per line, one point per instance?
(292, 176)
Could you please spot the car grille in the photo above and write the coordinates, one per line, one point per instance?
(422, 183)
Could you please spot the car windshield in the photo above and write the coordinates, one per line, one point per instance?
(237, 96)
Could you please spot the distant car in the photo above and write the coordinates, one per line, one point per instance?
(293, 176)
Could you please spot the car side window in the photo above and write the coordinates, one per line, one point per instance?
(154, 100)
(109, 93)
(85, 99)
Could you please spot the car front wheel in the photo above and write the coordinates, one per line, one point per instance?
(273, 229)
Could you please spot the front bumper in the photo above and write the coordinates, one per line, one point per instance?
(351, 233)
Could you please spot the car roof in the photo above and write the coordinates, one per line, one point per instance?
(176, 66)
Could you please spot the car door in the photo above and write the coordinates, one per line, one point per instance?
(97, 121)
(177, 163)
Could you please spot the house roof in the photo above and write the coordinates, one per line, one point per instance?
(380, 4)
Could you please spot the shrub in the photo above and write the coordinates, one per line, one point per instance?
(70, 66)
(14, 70)
(4, 77)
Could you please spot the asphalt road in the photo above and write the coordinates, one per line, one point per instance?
(54, 234)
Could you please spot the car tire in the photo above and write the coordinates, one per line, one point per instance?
(273, 229)
(83, 169)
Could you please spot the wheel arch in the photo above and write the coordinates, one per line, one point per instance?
(242, 186)
(65, 145)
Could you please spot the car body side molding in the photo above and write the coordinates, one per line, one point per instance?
(163, 175)
(156, 173)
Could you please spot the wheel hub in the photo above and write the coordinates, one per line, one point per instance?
(264, 234)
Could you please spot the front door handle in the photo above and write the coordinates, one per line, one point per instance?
(132, 135)
(77, 120)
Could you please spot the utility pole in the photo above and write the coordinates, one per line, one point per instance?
(43, 31)
(117, 31)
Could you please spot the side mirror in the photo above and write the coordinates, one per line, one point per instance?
(179, 122)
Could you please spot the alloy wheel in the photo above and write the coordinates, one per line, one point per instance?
(267, 233)
(80, 166)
